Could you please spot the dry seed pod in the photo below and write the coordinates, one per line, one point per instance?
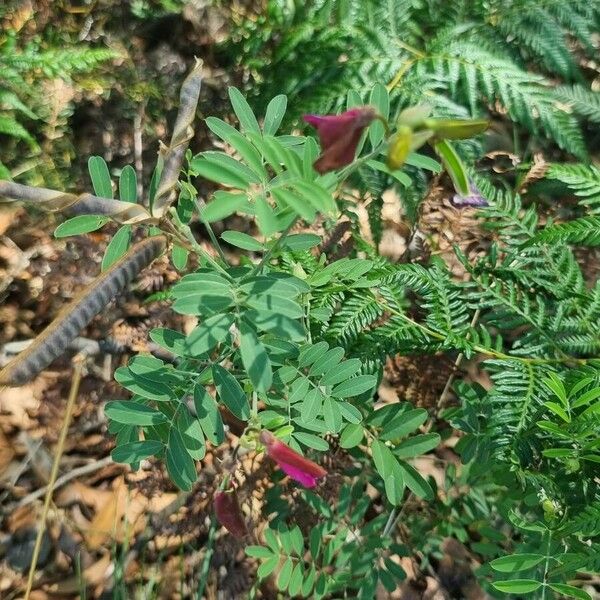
(55, 339)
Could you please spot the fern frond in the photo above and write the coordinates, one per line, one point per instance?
(584, 231)
(582, 180)
(582, 100)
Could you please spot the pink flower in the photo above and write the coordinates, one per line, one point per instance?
(339, 135)
(300, 469)
(229, 513)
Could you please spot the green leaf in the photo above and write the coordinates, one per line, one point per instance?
(133, 413)
(243, 111)
(516, 562)
(267, 567)
(208, 334)
(558, 387)
(242, 240)
(80, 224)
(285, 574)
(259, 552)
(275, 304)
(171, 340)
(352, 435)
(328, 361)
(100, 177)
(231, 393)
(332, 414)
(236, 140)
(380, 99)
(570, 591)
(128, 184)
(301, 241)
(223, 205)
(180, 465)
(312, 441)
(265, 217)
(179, 257)
(587, 397)
(557, 409)
(423, 162)
(297, 541)
(289, 199)
(416, 445)
(274, 115)
(397, 174)
(517, 586)
(255, 359)
(310, 354)
(312, 405)
(191, 433)
(341, 372)
(415, 482)
(454, 166)
(296, 580)
(117, 247)
(144, 385)
(219, 172)
(404, 423)
(354, 387)
(388, 469)
(134, 452)
(208, 415)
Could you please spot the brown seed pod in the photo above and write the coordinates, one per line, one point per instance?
(55, 339)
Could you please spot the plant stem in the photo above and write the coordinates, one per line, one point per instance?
(259, 267)
(189, 236)
(211, 234)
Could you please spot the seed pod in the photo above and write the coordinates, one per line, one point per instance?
(229, 513)
(55, 339)
(456, 129)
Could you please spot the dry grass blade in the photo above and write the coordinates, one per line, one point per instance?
(78, 361)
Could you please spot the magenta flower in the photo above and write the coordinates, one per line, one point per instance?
(339, 136)
(300, 469)
(229, 513)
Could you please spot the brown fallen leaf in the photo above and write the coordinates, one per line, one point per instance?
(79, 492)
(119, 518)
(7, 452)
(94, 575)
(19, 402)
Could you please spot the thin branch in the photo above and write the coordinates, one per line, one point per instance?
(95, 465)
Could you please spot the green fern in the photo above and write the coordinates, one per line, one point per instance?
(582, 180)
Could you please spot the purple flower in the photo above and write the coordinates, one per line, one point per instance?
(339, 136)
(295, 465)
(473, 198)
(229, 513)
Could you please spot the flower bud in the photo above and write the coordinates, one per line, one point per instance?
(339, 136)
(229, 513)
(400, 147)
(295, 465)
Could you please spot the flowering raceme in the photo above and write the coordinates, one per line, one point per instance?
(339, 136)
(229, 513)
(295, 465)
